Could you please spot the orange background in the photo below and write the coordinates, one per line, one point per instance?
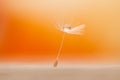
(30, 33)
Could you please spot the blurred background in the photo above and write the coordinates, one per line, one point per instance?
(28, 31)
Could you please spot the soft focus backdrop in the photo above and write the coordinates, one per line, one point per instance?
(28, 31)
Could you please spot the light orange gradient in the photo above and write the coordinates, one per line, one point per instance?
(31, 34)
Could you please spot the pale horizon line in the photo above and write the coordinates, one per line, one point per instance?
(66, 66)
